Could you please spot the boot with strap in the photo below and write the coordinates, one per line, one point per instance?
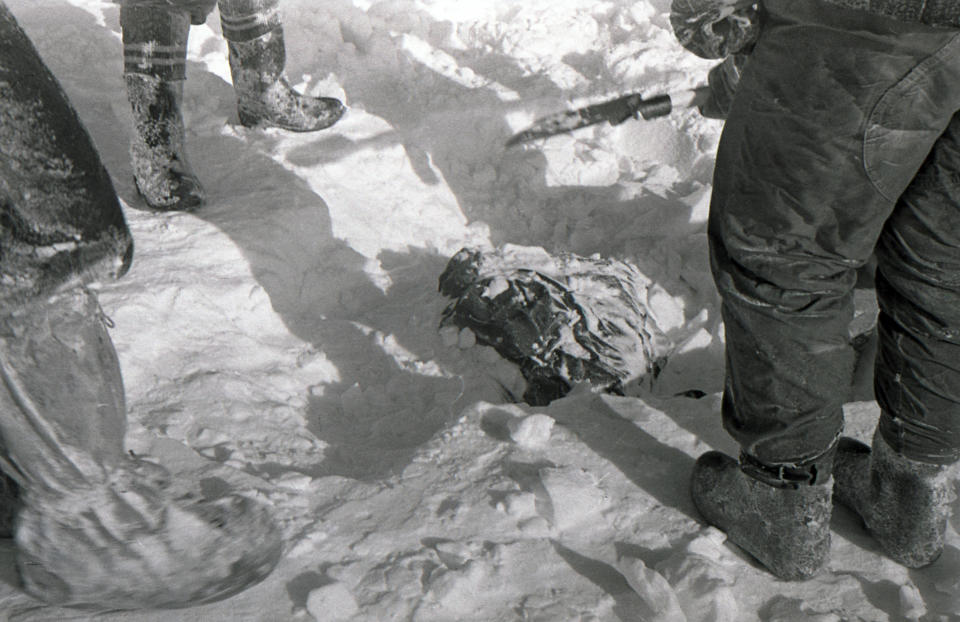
(779, 515)
(904, 503)
(155, 56)
(254, 35)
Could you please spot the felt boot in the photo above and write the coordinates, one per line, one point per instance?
(155, 53)
(904, 504)
(97, 527)
(785, 527)
(254, 36)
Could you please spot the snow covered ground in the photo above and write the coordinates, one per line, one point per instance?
(288, 332)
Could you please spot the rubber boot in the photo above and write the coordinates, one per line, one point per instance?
(254, 37)
(786, 527)
(155, 56)
(98, 528)
(904, 504)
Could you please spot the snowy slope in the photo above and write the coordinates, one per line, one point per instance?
(287, 333)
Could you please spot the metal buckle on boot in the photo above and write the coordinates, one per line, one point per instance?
(807, 473)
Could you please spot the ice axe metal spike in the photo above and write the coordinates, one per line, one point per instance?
(614, 111)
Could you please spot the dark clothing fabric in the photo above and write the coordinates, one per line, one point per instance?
(60, 219)
(933, 12)
(818, 168)
(198, 10)
(721, 28)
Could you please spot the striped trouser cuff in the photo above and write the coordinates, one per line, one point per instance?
(249, 26)
(167, 62)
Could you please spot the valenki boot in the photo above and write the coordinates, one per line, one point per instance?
(785, 526)
(254, 36)
(98, 528)
(155, 54)
(904, 504)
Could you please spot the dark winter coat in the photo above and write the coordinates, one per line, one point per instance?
(722, 28)
(60, 219)
(933, 12)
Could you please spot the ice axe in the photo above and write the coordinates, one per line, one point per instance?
(614, 111)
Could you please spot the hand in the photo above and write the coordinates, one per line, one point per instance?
(723, 80)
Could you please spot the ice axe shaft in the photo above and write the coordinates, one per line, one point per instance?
(614, 111)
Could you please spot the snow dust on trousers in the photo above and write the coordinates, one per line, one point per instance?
(817, 169)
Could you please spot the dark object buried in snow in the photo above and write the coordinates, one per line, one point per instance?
(563, 320)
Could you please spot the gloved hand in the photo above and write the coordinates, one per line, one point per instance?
(723, 80)
(715, 28)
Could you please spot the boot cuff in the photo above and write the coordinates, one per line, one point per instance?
(166, 62)
(810, 472)
(154, 41)
(247, 26)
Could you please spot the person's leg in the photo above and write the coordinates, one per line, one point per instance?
(795, 212)
(254, 34)
(901, 488)
(155, 57)
(95, 526)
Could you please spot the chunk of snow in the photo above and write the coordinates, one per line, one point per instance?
(912, 606)
(532, 431)
(575, 495)
(520, 504)
(653, 589)
(331, 602)
(701, 574)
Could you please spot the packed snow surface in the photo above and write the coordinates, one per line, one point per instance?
(287, 333)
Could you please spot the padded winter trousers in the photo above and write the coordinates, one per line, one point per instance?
(843, 140)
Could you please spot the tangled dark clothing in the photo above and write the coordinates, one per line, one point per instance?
(858, 153)
(60, 221)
